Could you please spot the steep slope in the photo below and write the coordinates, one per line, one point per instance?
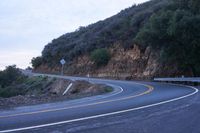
(142, 41)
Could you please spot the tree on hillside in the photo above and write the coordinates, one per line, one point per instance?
(154, 33)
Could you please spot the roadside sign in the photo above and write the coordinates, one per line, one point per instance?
(62, 61)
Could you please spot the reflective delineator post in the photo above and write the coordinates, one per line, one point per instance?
(88, 75)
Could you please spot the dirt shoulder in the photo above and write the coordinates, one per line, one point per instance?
(45, 89)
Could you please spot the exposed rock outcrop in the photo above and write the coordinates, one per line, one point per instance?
(124, 64)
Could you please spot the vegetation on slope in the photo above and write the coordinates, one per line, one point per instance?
(176, 31)
(170, 26)
(18, 89)
(13, 83)
(11, 75)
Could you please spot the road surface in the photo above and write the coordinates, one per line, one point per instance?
(135, 107)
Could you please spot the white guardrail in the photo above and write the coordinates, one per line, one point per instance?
(189, 79)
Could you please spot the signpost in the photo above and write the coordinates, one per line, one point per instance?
(62, 62)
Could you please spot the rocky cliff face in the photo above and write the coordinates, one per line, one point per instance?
(124, 64)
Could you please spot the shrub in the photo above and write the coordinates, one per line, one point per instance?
(10, 76)
(100, 56)
(36, 62)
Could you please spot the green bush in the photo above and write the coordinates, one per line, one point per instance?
(100, 57)
(11, 75)
(36, 62)
(13, 83)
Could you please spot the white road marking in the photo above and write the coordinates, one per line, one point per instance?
(102, 115)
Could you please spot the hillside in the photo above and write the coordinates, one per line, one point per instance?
(157, 38)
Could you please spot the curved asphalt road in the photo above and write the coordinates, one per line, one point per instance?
(128, 97)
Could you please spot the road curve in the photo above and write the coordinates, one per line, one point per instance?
(129, 96)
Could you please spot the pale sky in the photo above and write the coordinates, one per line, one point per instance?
(26, 26)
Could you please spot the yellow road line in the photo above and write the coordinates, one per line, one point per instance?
(150, 89)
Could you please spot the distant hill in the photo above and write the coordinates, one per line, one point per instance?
(156, 38)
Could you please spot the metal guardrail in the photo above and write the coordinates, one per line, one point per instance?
(189, 79)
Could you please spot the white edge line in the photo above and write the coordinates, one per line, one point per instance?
(102, 115)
